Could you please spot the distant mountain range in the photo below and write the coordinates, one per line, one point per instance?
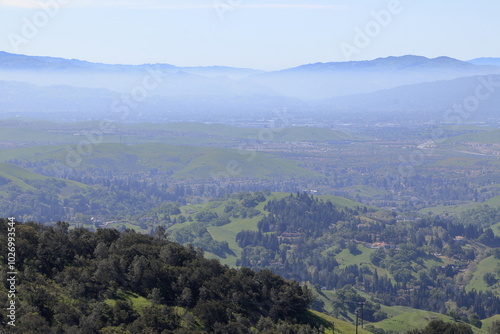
(431, 98)
(10, 61)
(33, 85)
(324, 80)
(486, 61)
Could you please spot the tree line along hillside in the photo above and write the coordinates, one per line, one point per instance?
(78, 281)
(422, 262)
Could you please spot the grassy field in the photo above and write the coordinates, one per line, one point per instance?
(17, 172)
(496, 229)
(342, 202)
(400, 318)
(138, 302)
(391, 311)
(228, 233)
(341, 327)
(366, 191)
(345, 258)
(230, 163)
(489, 321)
(21, 177)
(184, 162)
(482, 137)
(432, 261)
(16, 175)
(458, 209)
(413, 319)
(488, 265)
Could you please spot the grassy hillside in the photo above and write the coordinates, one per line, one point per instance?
(488, 322)
(180, 161)
(400, 318)
(346, 258)
(21, 178)
(342, 202)
(414, 319)
(341, 327)
(488, 265)
(482, 137)
(496, 229)
(138, 302)
(457, 209)
(228, 232)
(17, 175)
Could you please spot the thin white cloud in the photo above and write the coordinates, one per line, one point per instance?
(155, 4)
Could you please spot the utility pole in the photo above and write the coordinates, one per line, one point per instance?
(362, 305)
(333, 326)
(357, 314)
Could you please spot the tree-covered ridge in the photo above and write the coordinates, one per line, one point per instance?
(301, 214)
(71, 281)
(484, 216)
(420, 262)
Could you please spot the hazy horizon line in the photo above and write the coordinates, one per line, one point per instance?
(235, 67)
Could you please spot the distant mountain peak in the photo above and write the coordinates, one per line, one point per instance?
(405, 62)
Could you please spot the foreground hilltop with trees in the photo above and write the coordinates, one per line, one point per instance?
(78, 281)
(399, 265)
(73, 279)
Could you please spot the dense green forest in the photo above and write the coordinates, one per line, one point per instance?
(77, 281)
(354, 253)
(418, 263)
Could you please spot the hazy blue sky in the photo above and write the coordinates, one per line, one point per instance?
(248, 33)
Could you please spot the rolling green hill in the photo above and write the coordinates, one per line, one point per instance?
(181, 162)
(496, 229)
(21, 177)
(481, 137)
(458, 209)
(414, 319)
(488, 265)
(489, 321)
(17, 175)
(345, 257)
(228, 231)
(341, 327)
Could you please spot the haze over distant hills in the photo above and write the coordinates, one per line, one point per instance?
(324, 80)
(77, 90)
(427, 99)
(486, 61)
